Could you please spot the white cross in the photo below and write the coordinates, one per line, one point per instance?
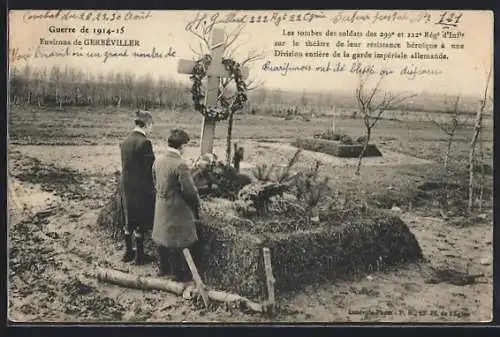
(215, 71)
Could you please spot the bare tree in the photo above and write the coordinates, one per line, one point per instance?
(372, 107)
(481, 173)
(478, 127)
(251, 85)
(448, 124)
(56, 78)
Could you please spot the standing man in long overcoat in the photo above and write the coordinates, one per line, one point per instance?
(137, 185)
(176, 210)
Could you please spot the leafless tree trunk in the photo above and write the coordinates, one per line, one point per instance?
(448, 125)
(229, 138)
(371, 110)
(59, 99)
(368, 133)
(475, 136)
(481, 173)
(230, 123)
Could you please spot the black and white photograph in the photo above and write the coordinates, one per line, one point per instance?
(271, 166)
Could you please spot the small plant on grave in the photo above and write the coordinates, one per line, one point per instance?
(310, 190)
(266, 173)
(285, 174)
(272, 182)
(263, 172)
(346, 140)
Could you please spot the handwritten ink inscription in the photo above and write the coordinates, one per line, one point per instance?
(327, 42)
(70, 51)
(92, 16)
(102, 38)
(449, 19)
(204, 23)
(357, 68)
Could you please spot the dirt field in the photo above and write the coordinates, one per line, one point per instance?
(55, 245)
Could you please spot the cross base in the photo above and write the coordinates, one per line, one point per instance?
(207, 136)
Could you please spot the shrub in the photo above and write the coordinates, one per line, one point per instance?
(361, 140)
(328, 135)
(310, 189)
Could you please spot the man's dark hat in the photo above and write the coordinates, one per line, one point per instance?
(179, 136)
(143, 116)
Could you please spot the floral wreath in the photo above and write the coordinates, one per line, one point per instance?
(224, 108)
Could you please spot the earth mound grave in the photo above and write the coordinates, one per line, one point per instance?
(336, 148)
(302, 252)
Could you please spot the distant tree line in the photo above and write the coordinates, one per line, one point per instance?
(67, 86)
(72, 87)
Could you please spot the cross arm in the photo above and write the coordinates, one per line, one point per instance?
(186, 67)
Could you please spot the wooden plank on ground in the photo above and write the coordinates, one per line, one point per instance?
(139, 282)
(151, 283)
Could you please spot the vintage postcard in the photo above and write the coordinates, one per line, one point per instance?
(250, 166)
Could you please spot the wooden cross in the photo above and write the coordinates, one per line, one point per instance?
(215, 71)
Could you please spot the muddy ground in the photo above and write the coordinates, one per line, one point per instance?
(56, 192)
(55, 247)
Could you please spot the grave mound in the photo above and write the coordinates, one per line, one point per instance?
(336, 148)
(303, 252)
(337, 246)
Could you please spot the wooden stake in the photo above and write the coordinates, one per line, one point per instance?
(196, 276)
(270, 279)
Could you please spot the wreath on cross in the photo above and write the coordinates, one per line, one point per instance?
(224, 107)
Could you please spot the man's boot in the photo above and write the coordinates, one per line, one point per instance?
(183, 274)
(129, 253)
(139, 250)
(173, 264)
(164, 268)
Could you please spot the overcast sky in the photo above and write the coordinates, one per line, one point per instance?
(465, 71)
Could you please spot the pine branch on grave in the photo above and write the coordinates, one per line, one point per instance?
(263, 172)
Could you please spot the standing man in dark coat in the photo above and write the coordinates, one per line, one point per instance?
(176, 210)
(137, 185)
